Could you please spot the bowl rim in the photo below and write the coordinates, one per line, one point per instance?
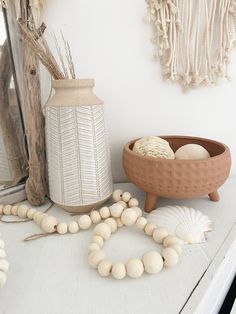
(153, 159)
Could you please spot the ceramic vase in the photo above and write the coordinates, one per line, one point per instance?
(78, 155)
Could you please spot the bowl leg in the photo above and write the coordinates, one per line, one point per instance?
(150, 202)
(214, 196)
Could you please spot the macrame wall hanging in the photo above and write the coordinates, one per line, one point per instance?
(193, 39)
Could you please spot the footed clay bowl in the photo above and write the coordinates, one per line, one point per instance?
(180, 179)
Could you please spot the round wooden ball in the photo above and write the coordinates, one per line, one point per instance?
(3, 278)
(35, 216)
(7, 210)
(104, 268)
(22, 211)
(116, 210)
(105, 212)
(14, 210)
(169, 240)
(153, 262)
(39, 218)
(111, 223)
(95, 217)
(31, 212)
(93, 247)
(133, 202)
(138, 211)
(98, 240)
(141, 223)
(4, 265)
(84, 222)
(95, 257)
(62, 228)
(118, 271)
(123, 204)
(73, 227)
(116, 195)
(129, 217)
(170, 257)
(134, 268)
(126, 196)
(159, 234)
(149, 229)
(119, 222)
(177, 248)
(192, 151)
(103, 230)
(49, 224)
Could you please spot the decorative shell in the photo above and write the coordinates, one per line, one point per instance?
(153, 146)
(186, 223)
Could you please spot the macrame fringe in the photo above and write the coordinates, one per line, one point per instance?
(193, 39)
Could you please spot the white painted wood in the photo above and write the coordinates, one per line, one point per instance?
(51, 275)
(233, 310)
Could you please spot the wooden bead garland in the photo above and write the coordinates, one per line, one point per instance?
(4, 265)
(124, 212)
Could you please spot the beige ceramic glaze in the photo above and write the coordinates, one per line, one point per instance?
(77, 147)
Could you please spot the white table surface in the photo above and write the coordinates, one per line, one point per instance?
(51, 275)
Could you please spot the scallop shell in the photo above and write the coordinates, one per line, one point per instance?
(186, 223)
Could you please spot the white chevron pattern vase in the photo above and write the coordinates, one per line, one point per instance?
(78, 153)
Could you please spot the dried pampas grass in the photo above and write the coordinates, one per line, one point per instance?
(41, 48)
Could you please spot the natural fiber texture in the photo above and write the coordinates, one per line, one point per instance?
(193, 38)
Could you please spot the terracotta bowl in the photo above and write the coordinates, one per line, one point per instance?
(180, 179)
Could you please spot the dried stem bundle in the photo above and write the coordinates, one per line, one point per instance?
(41, 48)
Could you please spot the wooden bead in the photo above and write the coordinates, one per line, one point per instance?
(177, 248)
(93, 247)
(95, 257)
(169, 240)
(133, 202)
(2, 253)
(84, 222)
(149, 229)
(153, 262)
(62, 228)
(103, 230)
(116, 195)
(2, 244)
(104, 268)
(126, 196)
(122, 203)
(116, 210)
(49, 224)
(159, 234)
(3, 278)
(119, 222)
(1, 209)
(4, 265)
(138, 211)
(98, 240)
(95, 217)
(39, 218)
(73, 227)
(170, 257)
(129, 217)
(111, 223)
(35, 216)
(134, 268)
(105, 212)
(14, 210)
(141, 223)
(31, 212)
(7, 210)
(22, 211)
(118, 271)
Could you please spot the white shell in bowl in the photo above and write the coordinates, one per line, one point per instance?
(186, 223)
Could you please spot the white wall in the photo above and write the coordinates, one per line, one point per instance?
(110, 42)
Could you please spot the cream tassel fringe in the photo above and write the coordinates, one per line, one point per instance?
(193, 39)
